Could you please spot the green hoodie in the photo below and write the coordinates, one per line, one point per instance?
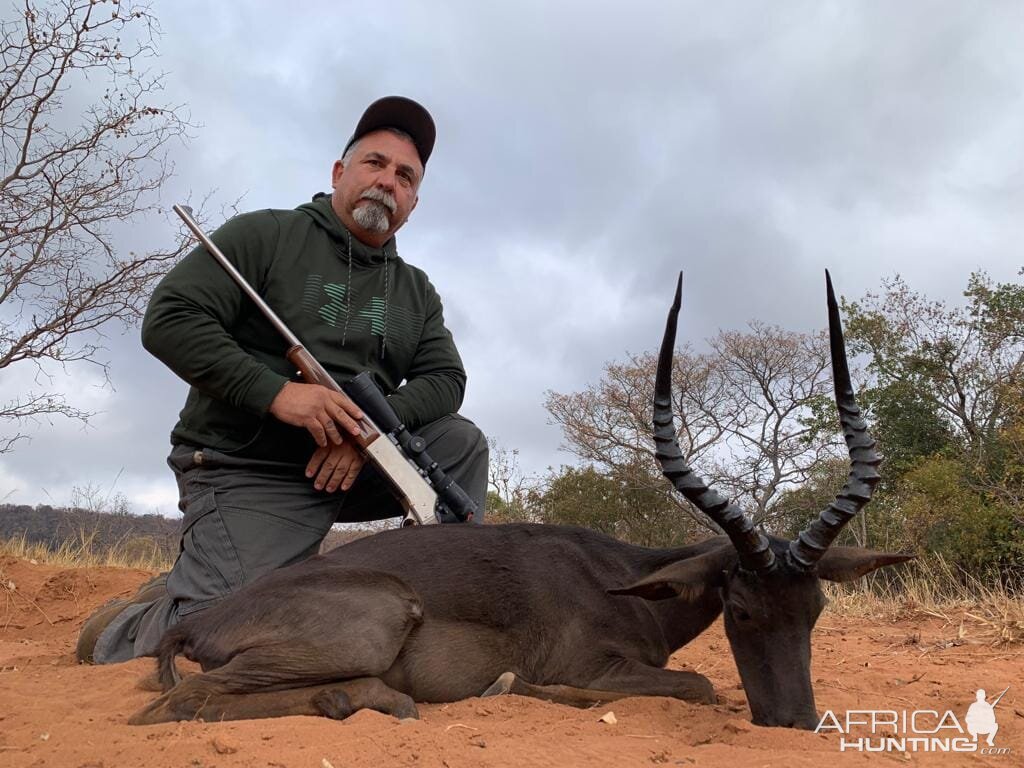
(354, 307)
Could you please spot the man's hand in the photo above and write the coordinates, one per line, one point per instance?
(319, 410)
(334, 467)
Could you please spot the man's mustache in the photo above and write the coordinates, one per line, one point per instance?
(378, 195)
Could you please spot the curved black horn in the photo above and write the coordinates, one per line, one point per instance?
(752, 545)
(808, 548)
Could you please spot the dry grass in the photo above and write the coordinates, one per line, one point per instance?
(82, 552)
(981, 612)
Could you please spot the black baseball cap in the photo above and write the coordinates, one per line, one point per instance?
(401, 113)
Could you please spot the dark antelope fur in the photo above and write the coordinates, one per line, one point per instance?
(441, 613)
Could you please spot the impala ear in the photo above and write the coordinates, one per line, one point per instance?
(684, 578)
(849, 563)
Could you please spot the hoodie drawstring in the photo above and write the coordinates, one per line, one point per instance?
(387, 303)
(348, 291)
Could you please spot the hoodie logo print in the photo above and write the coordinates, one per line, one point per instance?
(336, 307)
(404, 325)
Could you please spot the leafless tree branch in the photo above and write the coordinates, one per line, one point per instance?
(71, 175)
(746, 415)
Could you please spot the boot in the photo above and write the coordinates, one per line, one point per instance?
(93, 627)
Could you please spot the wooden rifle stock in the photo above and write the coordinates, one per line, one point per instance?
(314, 373)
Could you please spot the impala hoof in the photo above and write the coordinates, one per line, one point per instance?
(333, 703)
(501, 686)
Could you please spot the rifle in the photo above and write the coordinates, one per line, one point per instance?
(400, 457)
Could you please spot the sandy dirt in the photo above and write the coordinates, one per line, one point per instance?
(54, 712)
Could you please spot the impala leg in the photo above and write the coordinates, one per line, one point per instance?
(259, 683)
(201, 701)
(642, 680)
(625, 680)
(195, 703)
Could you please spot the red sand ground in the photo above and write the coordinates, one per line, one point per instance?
(56, 713)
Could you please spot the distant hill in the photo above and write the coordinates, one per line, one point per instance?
(103, 532)
(57, 528)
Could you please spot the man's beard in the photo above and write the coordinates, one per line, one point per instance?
(374, 210)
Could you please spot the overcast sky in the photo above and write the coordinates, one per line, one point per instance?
(586, 152)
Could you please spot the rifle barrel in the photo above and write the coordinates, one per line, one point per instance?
(1000, 696)
(186, 215)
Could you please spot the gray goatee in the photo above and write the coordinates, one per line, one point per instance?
(374, 209)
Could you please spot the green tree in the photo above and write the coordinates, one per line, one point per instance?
(948, 409)
(945, 515)
(907, 425)
(963, 362)
(1000, 473)
(625, 504)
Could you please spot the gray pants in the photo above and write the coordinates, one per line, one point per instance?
(243, 518)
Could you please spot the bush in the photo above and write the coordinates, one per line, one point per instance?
(945, 515)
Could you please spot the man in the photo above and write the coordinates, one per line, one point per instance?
(264, 463)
